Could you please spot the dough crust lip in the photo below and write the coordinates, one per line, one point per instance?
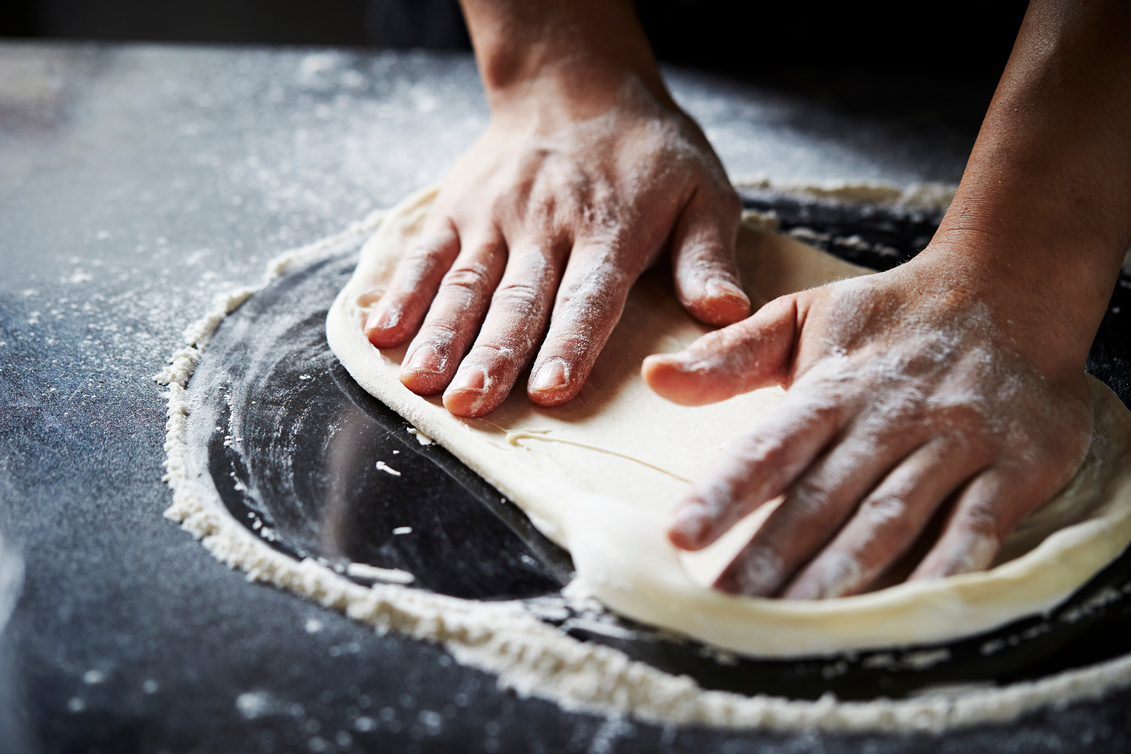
(600, 474)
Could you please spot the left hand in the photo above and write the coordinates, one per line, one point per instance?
(906, 396)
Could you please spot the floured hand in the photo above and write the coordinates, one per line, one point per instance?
(953, 384)
(904, 398)
(539, 233)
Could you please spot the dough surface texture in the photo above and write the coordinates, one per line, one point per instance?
(599, 475)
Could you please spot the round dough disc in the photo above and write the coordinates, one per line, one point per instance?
(600, 474)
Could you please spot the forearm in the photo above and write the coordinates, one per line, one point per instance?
(1043, 214)
(578, 46)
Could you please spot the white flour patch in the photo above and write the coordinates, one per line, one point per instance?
(924, 196)
(375, 573)
(382, 466)
(253, 704)
(508, 639)
(421, 438)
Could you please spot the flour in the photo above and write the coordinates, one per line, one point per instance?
(382, 466)
(421, 438)
(533, 658)
(375, 574)
(934, 197)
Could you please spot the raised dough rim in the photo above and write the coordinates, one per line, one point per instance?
(911, 613)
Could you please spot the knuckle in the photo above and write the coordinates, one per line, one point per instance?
(610, 274)
(422, 254)
(889, 515)
(472, 277)
(885, 508)
(981, 519)
(840, 572)
(715, 497)
(437, 334)
(761, 450)
(524, 299)
(828, 407)
(488, 355)
(416, 265)
(759, 571)
(810, 498)
(594, 300)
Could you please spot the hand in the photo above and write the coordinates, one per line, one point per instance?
(906, 396)
(540, 231)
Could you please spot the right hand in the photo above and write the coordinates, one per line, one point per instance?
(934, 385)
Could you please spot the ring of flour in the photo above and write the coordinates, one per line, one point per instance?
(528, 656)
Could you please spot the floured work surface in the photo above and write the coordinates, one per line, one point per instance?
(275, 455)
(599, 475)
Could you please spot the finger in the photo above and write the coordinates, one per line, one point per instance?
(761, 466)
(587, 308)
(886, 524)
(987, 510)
(815, 506)
(703, 262)
(417, 277)
(754, 353)
(518, 316)
(454, 317)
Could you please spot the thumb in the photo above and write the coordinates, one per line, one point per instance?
(703, 258)
(756, 352)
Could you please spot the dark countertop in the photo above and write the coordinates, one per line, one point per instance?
(137, 180)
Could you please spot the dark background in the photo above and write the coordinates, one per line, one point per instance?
(954, 38)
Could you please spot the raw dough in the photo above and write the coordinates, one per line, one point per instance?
(599, 475)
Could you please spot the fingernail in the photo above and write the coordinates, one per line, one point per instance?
(720, 288)
(724, 303)
(380, 319)
(470, 378)
(550, 376)
(424, 359)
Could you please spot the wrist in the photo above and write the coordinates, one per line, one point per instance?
(578, 51)
(1044, 297)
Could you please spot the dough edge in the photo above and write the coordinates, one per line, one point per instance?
(628, 564)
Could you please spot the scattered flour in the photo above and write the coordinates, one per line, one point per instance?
(421, 438)
(253, 704)
(924, 196)
(382, 466)
(375, 573)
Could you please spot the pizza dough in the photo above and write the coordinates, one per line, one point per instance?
(599, 475)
